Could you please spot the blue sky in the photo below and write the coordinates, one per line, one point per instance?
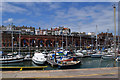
(79, 16)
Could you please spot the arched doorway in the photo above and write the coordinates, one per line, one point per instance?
(76, 44)
(48, 43)
(32, 42)
(40, 43)
(24, 42)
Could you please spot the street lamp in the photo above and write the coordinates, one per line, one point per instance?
(115, 30)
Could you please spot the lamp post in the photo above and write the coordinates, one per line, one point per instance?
(115, 30)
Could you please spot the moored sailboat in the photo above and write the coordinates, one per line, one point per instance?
(68, 62)
(12, 57)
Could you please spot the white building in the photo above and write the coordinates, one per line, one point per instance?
(91, 33)
(61, 31)
(37, 32)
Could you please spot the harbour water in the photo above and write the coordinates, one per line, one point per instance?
(85, 63)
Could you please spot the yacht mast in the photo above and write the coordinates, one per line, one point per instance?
(72, 40)
(96, 39)
(118, 42)
(92, 43)
(66, 41)
(12, 38)
(1, 39)
(62, 38)
(107, 38)
(29, 43)
(80, 41)
(19, 42)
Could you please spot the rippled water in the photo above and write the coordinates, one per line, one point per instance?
(86, 63)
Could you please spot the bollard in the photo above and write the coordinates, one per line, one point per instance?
(21, 69)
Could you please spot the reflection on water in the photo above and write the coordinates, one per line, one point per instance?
(86, 63)
(97, 62)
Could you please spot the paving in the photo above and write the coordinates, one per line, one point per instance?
(69, 73)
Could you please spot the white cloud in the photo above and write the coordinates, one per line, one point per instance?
(53, 5)
(31, 8)
(0, 6)
(8, 21)
(86, 18)
(61, 0)
(6, 7)
(78, 19)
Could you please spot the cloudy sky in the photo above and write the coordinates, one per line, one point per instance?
(79, 16)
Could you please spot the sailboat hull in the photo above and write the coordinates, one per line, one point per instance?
(7, 61)
(96, 56)
(68, 65)
(107, 57)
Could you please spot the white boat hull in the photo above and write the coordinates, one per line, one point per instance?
(27, 57)
(68, 65)
(96, 55)
(11, 60)
(79, 54)
(107, 57)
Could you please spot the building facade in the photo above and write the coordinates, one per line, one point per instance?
(41, 41)
(31, 37)
(53, 31)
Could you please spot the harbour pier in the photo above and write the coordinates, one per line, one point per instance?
(69, 73)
